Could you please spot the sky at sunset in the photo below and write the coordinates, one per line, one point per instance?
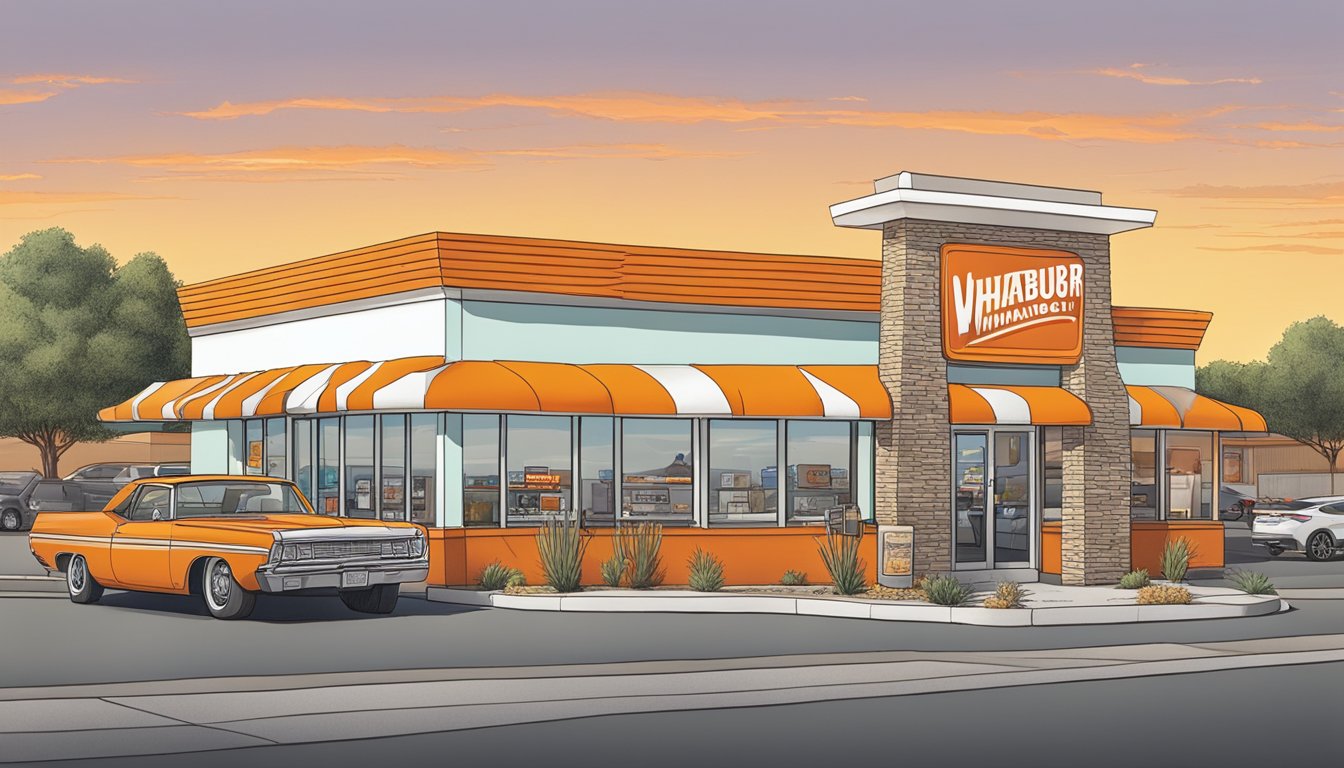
(229, 136)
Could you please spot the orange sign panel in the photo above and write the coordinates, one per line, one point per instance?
(1011, 305)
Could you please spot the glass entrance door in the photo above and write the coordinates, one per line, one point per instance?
(970, 476)
(994, 504)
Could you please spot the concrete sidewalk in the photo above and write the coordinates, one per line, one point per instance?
(171, 717)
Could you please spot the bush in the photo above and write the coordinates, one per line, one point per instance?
(1135, 579)
(1008, 594)
(1252, 583)
(516, 579)
(793, 578)
(1176, 559)
(841, 555)
(1164, 594)
(640, 545)
(497, 575)
(613, 568)
(706, 571)
(945, 590)
(561, 544)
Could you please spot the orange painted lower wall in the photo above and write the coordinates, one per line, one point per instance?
(749, 555)
(1146, 540)
(1052, 548)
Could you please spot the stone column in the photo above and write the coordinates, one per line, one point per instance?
(914, 485)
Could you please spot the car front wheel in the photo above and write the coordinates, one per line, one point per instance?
(381, 598)
(11, 520)
(1320, 546)
(224, 597)
(81, 585)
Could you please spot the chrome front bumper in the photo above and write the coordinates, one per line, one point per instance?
(294, 577)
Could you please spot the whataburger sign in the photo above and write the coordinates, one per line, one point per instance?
(1011, 305)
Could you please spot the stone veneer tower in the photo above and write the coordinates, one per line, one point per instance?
(917, 215)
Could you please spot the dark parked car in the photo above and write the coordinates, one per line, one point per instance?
(1233, 504)
(58, 496)
(15, 489)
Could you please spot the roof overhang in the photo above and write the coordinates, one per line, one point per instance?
(972, 201)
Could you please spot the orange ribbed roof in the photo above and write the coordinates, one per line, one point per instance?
(604, 270)
(535, 265)
(1164, 328)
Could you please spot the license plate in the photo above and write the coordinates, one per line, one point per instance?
(355, 579)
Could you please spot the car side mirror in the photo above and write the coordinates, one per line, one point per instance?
(156, 515)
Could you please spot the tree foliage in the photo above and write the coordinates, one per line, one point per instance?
(1299, 388)
(79, 333)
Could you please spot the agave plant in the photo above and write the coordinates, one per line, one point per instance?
(840, 553)
(1135, 579)
(1176, 559)
(561, 544)
(792, 578)
(945, 590)
(641, 545)
(613, 568)
(497, 575)
(706, 571)
(1252, 583)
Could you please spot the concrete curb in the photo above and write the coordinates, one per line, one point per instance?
(27, 584)
(679, 601)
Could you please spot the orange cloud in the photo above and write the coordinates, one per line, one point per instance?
(1317, 250)
(611, 152)
(638, 107)
(1135, 72)
(69, 81)
(19, 177)
(44, 198)
(290, 159)
(11, 96)
(1319, 192)
(1307, 127)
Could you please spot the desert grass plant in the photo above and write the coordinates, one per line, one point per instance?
(613, 568)
(1252, 583)
(706, 571)
(497, 576)
(792, 578)
(1007, 594)
(1135, 579)
(561, 544)
(945, 590)
(1164, 594)
(1176, 559)
(840, 553)
(641, 544)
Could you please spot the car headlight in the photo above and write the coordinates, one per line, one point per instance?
(418, 545)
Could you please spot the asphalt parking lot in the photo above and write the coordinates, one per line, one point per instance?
(1291, 570)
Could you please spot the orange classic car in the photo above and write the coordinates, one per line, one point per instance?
(228, 538)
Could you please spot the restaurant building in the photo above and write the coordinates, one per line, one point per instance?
(974, 391)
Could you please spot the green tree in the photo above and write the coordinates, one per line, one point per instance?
(1299, 388)
(79, 333)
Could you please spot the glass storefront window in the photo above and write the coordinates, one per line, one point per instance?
(392, 472)
(254, 448)
(818, 457)
(1052, 474)
(303, 458)
(424, 467)
(275, 448)
(743, 476)
(359, 490)
(328, 501)
(1189, 461)
(657, 476)
(597, 454)
(539, 477)
(480, 469)
(1143, 487)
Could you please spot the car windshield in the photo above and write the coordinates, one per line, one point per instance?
(222, 498)
(15, 482)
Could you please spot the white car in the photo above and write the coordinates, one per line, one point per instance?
(1313, 526)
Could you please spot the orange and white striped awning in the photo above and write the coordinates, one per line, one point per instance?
(436, 384)
(1182, 408)
(986, 404)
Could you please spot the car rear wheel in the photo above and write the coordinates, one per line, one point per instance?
(1320, 546)
(81, 585)
(1275, 551)
(224, 597)
(11, 520)
(381, 598)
